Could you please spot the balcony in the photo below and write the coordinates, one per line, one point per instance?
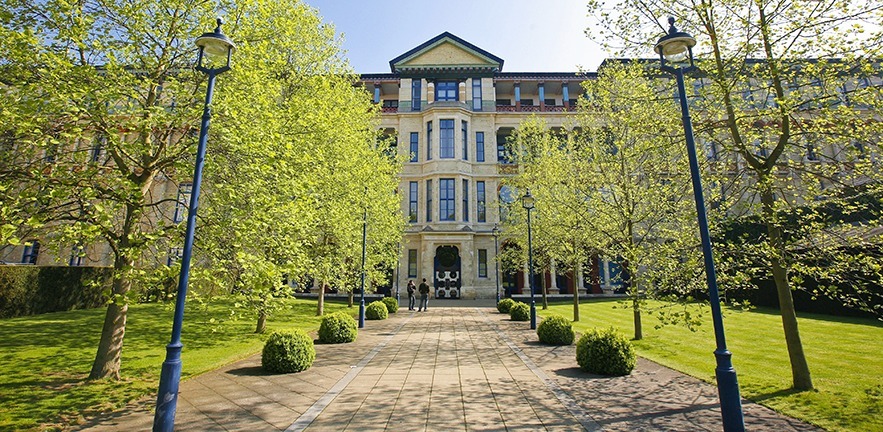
(532, 108)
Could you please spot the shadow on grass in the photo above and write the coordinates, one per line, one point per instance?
(777, 394)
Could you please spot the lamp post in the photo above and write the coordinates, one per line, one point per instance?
(496, 232)
(214, 45)
(528, 202)
(364, 252)
(674, 47)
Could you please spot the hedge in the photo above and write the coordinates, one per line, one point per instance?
(30, 290)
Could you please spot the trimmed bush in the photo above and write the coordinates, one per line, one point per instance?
(288, 352)
(605, 352)
(519, 312)
(504, 305)
(392, 305)
(376, 310)
(338, 327)
(555, 330)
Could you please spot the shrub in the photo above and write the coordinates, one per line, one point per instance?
(338, 327)
(504, 305)
(376, 310)
(31, 290)
(519, 312)
(605, 352)
(288, 352)
(392, 305)
(555, 330)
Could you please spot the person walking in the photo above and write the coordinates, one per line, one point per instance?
(412, 295)
(424, 296)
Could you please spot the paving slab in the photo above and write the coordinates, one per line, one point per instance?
(459, 366)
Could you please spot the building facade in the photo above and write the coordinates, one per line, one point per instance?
(450, 108)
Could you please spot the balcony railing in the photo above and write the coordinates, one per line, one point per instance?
(531, 108)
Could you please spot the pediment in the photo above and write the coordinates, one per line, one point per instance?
(446, 52)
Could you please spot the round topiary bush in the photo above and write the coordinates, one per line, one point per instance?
(555, 330)
(519, 312)
(376, 310)
(504, 305)
(288, 352)
(338, 327)
(605, 352)
(392, 305)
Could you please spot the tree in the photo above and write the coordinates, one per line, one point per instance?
(781, 108)
(104, 118)
(620, 186)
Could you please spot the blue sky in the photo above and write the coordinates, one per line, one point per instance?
(529, 35)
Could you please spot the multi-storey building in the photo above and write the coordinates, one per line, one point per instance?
(451, 107)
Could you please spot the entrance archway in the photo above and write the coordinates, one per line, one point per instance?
(446, 275)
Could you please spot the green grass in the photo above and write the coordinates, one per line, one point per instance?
(844, 356)
(46, 358)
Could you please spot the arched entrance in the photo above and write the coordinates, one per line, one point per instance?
(446, 273)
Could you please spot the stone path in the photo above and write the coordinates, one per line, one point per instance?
(450, 369)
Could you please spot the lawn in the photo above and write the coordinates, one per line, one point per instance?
(46, 358)
(843, 356)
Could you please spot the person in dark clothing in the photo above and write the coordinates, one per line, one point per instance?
(412, 295)
(424, 296)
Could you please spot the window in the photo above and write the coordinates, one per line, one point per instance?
(446, 91)
(502, 154)
(479, 146)
(31, 252)
(507, 196)
(412, 263)
(811, 152)
(464, 126)
(504, 101)
(482, 263)
(476, 94)
(481, 201)
(390, 103)
(98, 145)
(549, 102)
(465, 200)
(182, 202)
(76, 256)
(415, 95)
(429, 140)
(175, 255)
(428, 200)
(415, 143)
(526, 102)
(446, 139)
(412, 202)
(446, 203)
(711, 150)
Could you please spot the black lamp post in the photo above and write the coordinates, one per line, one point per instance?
(528, 202)
(496, 232)
(364, 252)
(674, 47)
(217, 46)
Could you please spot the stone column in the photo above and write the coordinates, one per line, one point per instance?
(553, 274)
(527, 287)
(580, 280)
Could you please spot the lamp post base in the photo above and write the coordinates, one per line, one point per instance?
(533, 315)
(728, 392)
(362, 314)
(167, 398)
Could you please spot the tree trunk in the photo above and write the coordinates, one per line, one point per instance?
(110, 347)
(800, 375)
(350, 298)
(575, 304)
(320, 309)
(262, 322)
(636, 309)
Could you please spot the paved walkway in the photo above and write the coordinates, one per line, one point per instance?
(450, 369)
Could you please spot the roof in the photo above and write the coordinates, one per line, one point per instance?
(452, 54)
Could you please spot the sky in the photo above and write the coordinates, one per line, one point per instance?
(529, 35)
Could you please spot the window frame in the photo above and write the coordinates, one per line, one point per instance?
(447, 200)
(446, 140)
(447, 91)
